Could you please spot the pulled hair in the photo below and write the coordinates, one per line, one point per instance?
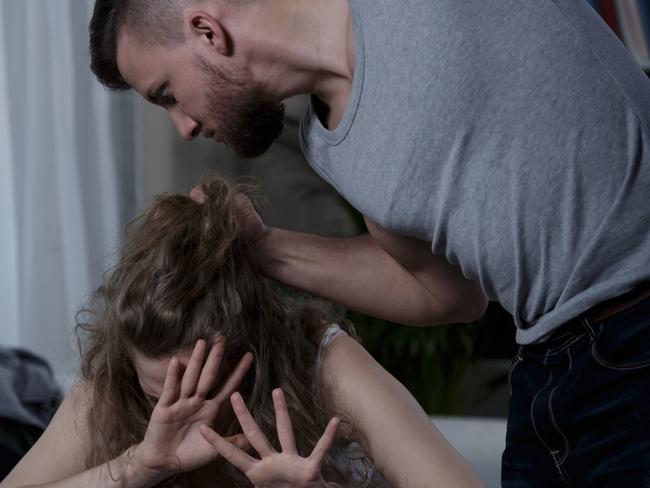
(186, 273)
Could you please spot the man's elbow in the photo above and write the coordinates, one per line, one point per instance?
(473, 312)
(464, 310)
(469, 309)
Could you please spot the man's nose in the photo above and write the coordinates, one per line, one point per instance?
(187, 127)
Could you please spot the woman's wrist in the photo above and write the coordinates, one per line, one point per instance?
(136, 473)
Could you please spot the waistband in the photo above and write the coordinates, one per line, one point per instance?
(604, 311)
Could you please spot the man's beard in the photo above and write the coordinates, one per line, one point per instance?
(249, 119)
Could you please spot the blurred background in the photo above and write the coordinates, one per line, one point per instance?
(78, 162)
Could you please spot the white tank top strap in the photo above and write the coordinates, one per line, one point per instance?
(332, 332)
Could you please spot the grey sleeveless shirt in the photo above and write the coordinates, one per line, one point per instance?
(511, 134)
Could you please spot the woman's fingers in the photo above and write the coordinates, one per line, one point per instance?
(283, 423)
(170, 387)
(325, 442)
(232, 383)
(229, 451)
(210, 370)
(193, 370)
(250, 428)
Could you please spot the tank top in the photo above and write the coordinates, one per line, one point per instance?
(513, 135)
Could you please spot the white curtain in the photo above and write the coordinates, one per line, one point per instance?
(70, 174)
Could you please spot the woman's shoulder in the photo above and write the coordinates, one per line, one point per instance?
(339, 354)
(60, 451)
(330, 332)
(392, 427)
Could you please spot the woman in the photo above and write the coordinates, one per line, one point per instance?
(185, 321)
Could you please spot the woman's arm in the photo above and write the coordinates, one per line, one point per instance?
(172, 443)
(118, 473)
(395, 431)
(60, 452)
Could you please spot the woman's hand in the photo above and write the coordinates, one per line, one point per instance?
(172, 442)
(275, 469)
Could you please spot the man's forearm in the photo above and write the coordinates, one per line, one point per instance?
(355, 272)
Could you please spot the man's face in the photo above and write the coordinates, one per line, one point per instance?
(202, 98)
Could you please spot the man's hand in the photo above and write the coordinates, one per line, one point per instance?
(172, 442)
(386, 275)
(254, 228)
(197, 194)
(276, 469)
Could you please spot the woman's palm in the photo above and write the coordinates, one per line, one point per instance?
(175, 428)
(172, 442)
(285, 469)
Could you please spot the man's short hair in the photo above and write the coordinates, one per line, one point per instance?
(148, 21)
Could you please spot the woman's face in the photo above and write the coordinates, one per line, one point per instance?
(152, 372)
(151, 376)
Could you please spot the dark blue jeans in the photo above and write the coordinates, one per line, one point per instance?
(580, 407)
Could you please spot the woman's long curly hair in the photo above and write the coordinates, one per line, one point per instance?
(186, 273)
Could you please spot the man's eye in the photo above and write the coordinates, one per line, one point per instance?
(165, 98)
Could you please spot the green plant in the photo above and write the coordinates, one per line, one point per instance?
(429, 361)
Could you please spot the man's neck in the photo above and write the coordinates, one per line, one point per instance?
(334, 92)
(303, 47)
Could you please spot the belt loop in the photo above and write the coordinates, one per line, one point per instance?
(586, 323)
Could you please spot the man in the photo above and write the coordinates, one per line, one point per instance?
(497, 149)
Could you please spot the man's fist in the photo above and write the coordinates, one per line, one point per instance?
(197, 194)
(253, 226)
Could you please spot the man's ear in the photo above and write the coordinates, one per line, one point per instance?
(210, 32)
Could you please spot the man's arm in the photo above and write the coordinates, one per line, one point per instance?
(389, 276)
